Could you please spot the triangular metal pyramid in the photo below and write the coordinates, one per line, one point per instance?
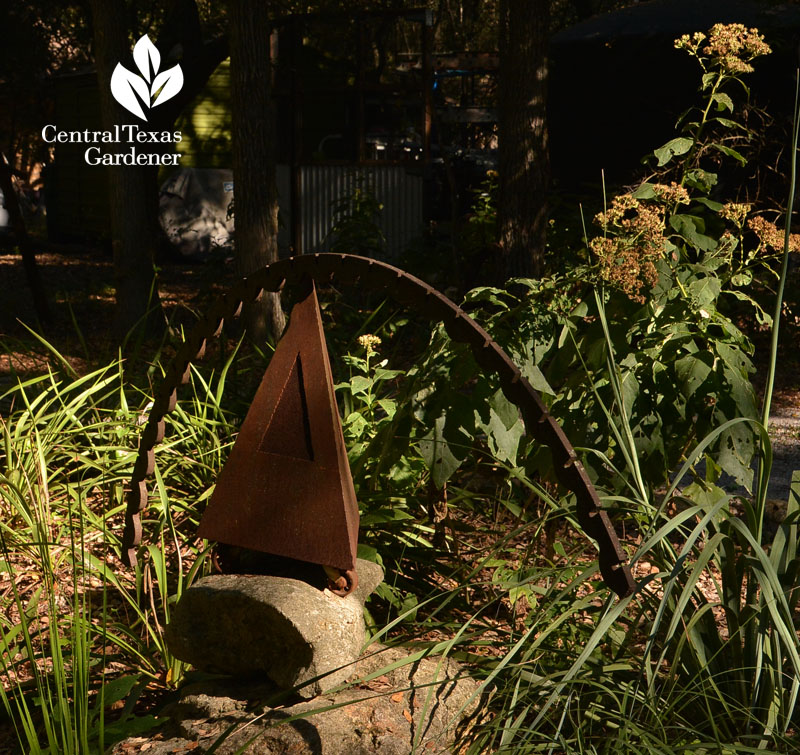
(286, 488)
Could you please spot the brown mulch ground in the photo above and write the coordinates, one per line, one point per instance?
(80, 288)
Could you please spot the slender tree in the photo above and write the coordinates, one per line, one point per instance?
(133, 190)
(252, 127)
(132, 202)
(524, 162)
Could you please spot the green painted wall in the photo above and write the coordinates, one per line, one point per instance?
(206, 124)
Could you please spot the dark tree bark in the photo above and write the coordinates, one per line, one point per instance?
(255, 190)
(134, 190)
(524, 162)
(134, 220)
(199, 59)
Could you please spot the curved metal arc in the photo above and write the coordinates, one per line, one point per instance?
(412, 292)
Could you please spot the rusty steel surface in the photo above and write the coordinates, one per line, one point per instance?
(427, 301)
(286, 488)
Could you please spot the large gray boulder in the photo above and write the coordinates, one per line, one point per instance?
(286, 630)
(395, 703)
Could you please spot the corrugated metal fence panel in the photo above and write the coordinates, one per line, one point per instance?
(283, 179)
(400, 193)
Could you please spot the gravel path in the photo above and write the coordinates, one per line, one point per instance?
(784, 431)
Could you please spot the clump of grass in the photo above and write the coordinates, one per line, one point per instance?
(77, 632)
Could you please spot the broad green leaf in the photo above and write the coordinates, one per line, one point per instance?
(724, 102)
(762, 317)
(730, 153)
(692, 371)
(644, 191)
(742, 392)
(504, 442)
(675, 147)
(580, 310)
(737, 447)
(118, 689)
(496, 296)
(700, 179)
(537, 379)
(728, 123)
(384, 374)
(505, 410)
(355, 424)
(734, 358)
(704, 292)
(368, 553)
(438, 455)
(389, 406)
(706, 496)
(360, 384)
(710, 203)
(502, 425)
(688, 227)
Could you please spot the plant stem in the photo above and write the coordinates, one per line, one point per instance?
(764, 468)
(714, 89)
(773, 354)
(702, 123)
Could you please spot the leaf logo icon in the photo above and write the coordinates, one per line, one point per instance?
(135, 92)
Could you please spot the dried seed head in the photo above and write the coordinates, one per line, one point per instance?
(369, 342)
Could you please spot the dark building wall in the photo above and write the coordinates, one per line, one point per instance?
(77, 193)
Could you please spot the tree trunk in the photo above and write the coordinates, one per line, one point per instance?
(255, 190)
(524, 161)
(133, 209)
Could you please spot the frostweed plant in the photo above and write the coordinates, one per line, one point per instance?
(651, 367)
(634, 239)
(369, 342)
(368, 408)
(364, 411)
(658, 228)
(683, 258)
(725, 58)
(770, 237)
(729, 48)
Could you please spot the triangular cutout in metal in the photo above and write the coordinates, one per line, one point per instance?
(286, 488)
(289, 430)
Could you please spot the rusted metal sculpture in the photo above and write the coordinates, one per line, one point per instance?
(286, 488)
(428, 302)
